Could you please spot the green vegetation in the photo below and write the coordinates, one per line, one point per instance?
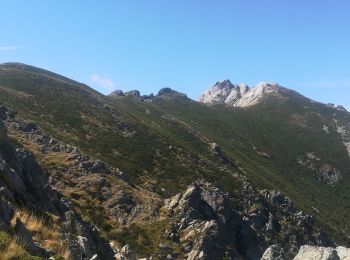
(11, 250)
(168, 141)
(144, 239)
(283, 129)
(5, 240)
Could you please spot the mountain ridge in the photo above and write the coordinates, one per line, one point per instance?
(234, 96)
(253, 161)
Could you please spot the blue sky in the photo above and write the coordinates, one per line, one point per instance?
(185, 44)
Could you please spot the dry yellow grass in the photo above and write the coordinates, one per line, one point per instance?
(44, 231)
(46, 160)
(14, 251)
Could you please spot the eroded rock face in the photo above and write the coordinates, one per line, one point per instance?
(254, 95)
(83, 240)
(224, 92)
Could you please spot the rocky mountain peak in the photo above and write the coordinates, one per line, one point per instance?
(133, 93)
(224, 84)
(164, 91)
(171, 94)
(267, 87)
(116, 93)
(120, 93)
(224, 92)
(241, 95)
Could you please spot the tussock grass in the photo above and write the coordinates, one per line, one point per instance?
(10, 249)
(44, 229)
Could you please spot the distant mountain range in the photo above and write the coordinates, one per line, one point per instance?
(245, 173)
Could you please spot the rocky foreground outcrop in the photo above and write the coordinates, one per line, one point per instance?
(210, 224)
(210, 228)
(323, 253)
(306, 252)
(24, 185)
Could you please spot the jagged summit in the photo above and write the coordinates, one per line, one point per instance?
(170, 93)
(116, 93)
(133, 93)
(121, 93)
(224, 92)
(164, 93)
(254, 95)
(224, 84)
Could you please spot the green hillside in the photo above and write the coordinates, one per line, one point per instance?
(168, 140)
(266, 140)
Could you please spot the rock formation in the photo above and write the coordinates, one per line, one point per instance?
(323, 253)
(205, 210)
(224, 92)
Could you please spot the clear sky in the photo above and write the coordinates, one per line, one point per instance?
(185, 44)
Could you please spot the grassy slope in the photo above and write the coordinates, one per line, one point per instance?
(71, 111)
(137, 136)
(78, 115)
(285, 129)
